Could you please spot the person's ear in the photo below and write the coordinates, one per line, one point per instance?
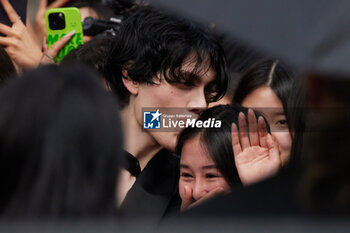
(131, 85)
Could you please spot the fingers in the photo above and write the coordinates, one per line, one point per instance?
(262, 132)
(52, 52)
(187, 199)
(211, 194)
(44, 45)
(236, 146)
(243, 131)
(208, 196)
(272, 144)
(8, 31)
(58, 4)
(11, 13)
(42, 5)
(55, 48)
(46, 59)
(273, 149)
(6, 41)
(253, 128)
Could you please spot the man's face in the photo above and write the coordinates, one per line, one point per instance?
(174, 95)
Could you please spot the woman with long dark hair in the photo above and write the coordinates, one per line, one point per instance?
(268, 86)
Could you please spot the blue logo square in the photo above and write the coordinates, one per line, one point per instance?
(151, 120)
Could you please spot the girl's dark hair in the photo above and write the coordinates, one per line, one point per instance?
(6, 66)
(218, 141)
(238, 56)
(159, 43)
(60, 140)
(266, 72)
(276, 75)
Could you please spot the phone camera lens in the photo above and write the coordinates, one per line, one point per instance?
(57, 21)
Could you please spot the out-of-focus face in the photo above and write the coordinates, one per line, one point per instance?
(267, 102)
(166, 95)
(87, 12)
(198, 172)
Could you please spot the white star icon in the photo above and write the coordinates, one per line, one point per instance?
(156, 115)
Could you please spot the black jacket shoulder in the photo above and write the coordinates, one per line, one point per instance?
(155, 192)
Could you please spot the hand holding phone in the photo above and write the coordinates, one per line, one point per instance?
(49, 54)
(20, 46)
(60, 22)
(40, 23)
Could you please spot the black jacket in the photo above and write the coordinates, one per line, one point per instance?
(155, 192)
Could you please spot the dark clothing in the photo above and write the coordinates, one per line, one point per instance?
(131, 164)
(155, 192)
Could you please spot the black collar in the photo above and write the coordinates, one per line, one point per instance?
(131, 164)
(154, 192)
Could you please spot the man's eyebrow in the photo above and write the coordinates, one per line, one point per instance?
(194, 76)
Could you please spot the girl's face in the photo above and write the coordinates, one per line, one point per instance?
(267, 103)
(198, 172)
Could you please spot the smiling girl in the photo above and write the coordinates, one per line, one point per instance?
(214, 160)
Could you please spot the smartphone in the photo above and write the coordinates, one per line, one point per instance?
(20, 7)
(59, 22)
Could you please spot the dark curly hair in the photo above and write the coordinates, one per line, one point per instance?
(159, 43)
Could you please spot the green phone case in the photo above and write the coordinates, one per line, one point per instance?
(73, 22)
